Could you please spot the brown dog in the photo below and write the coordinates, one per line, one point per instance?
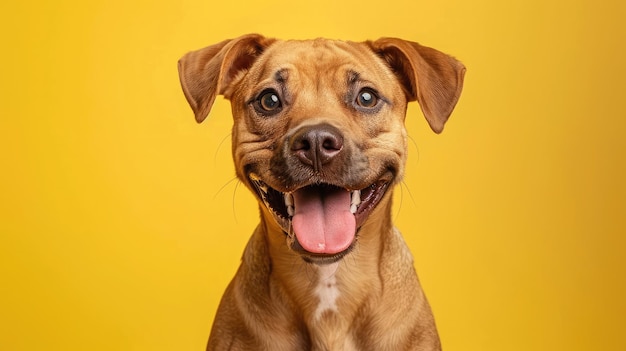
(319, 138)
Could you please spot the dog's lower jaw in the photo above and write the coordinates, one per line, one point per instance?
(319, 259)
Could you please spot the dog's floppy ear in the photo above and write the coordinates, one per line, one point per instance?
(429, 76)
(207, 72)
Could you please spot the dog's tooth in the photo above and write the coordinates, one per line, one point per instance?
(289, 204)
(356, 198)
(288, 199)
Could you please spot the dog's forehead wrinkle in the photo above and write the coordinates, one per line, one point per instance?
(353, 76)
(281, 75)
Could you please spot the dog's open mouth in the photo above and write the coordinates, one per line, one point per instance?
(323, 219)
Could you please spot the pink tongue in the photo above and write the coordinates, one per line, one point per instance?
(322, 220)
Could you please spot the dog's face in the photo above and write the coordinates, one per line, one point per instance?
(318, 131)
(319, 136)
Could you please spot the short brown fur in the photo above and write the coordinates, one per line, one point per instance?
(271, 303)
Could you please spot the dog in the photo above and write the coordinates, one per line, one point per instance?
(319, 139)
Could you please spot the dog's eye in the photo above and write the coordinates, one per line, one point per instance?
(269, 101)
(367, 98)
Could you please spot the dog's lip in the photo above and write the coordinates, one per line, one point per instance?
(363, 202)
(322, 259)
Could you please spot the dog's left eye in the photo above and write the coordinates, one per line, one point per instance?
(367, 98)
(269, 101)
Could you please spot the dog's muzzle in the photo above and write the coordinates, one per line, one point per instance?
(321, 216)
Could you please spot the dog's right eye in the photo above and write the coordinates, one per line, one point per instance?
(269, 102)
(367, 98)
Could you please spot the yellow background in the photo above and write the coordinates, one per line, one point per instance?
(121, 223)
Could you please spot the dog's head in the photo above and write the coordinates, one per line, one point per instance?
(318, 130)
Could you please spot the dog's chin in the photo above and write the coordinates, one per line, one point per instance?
(283, 207)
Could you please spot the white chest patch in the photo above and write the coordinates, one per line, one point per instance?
(326, 289)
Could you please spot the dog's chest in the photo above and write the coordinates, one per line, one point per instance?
(328, 328)
(326, 291)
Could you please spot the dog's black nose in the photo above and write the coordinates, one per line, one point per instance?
(316, 145)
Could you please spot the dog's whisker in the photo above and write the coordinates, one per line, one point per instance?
(417, 148)
(404, 186)
(408, 190)
(399, 206)
(219, 146)
(234, 197)
(224, 187)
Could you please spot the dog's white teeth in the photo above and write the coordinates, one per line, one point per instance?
(355, 201)
(356, 197)
(288, 199)
(289, 204)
